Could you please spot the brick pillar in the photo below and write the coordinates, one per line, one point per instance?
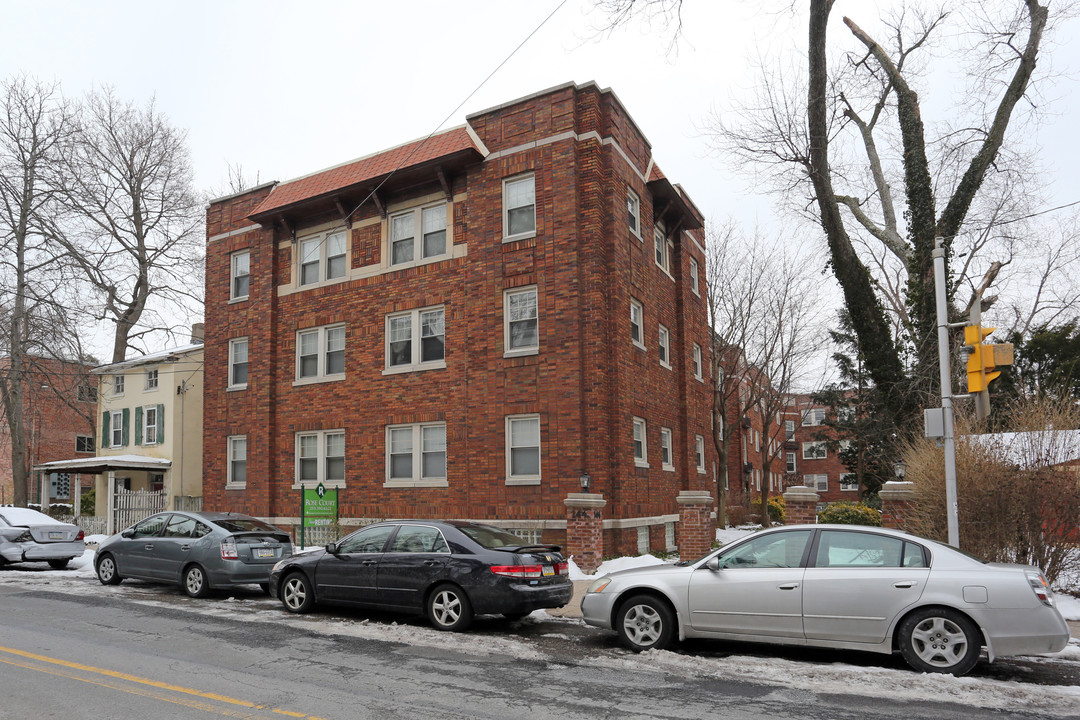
(696, 529)
(898, 504)
(800, 505)
(585, 529)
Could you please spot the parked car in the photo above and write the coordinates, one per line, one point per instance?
(449, 570)
(199, 550)
(30, 536)
(837, 586)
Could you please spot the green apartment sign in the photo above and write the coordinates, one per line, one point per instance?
(320, 506)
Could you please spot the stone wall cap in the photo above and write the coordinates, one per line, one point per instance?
(694, 497)
(801, 492)
(584, 500)
(897, 490)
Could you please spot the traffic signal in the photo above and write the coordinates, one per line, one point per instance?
(984, 357)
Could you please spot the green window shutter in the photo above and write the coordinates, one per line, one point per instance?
(105, 429)
(124, 428)
(138, 426)
(160, 424)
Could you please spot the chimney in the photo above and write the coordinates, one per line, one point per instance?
(197, 332)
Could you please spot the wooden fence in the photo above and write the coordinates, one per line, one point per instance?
(131, 506)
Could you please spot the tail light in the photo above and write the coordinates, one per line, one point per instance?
(521, 571)
(24, 537)
(562, 568)
(228, 550)
(80, 536)
(1041, 588)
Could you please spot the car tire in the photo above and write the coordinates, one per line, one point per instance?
(448, 608)
(296, 593)
(940, 640)
(59, 563)
(195, 582)
(107, 574)
(645, 623)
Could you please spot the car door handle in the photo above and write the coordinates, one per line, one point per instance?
(433, 562)
(148, 547)
(370, 562)
(904, 584)
(185, 547)
(788, 586)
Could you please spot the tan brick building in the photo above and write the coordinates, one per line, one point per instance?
(475, 325)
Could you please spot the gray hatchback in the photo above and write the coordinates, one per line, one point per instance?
(198, 550)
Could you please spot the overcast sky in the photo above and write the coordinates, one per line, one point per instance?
(286, 88)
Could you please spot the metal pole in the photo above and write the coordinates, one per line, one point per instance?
(951, 508)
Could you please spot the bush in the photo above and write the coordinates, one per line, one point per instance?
(86, 502)
(736, 515)
(776, 508)
(849, 513)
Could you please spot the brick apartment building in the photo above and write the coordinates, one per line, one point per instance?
(504, 322)
(812, 456)
(59, 405)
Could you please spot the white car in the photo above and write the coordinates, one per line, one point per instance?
(837, 586)
(29, 536)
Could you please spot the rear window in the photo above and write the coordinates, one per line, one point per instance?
(492, 537)
(242, 524)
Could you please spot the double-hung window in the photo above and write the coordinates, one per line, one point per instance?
(403, 349)
(237, 466)
(849, 482)
(699, 453)
(694, 277)
(789, 430)
(150, 425)
(697, 363)
(665, 347)
(817, 481)
(320, 458)
(239, 275)
(523, 450)
(116, 432)
(519, 207)
(84, 443)
(641, 445)
(521, 320)
(665, 449)
(320, 354)
(817, 450)
(663, 248)
(238, 364)
(325, 250)
(418, 234)
(118, 384)
(637, 324)
(151, 379)
(814, 416)
(633, 212)
(416, 455)
(790, 462)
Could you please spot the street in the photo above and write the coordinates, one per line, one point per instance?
(71, 648)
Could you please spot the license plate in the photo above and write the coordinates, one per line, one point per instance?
(264, 552)
(56, 536)
(548, 570)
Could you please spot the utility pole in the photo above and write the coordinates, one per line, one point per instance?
(951, 506)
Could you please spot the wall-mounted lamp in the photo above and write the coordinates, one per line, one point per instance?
(585, 480)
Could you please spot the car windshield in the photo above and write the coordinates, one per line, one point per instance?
(26, 517)
(492, 537)
(244, 524)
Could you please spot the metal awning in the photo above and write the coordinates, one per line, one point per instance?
(105, 463)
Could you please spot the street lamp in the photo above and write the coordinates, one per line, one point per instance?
(900, 469)
(585, 480)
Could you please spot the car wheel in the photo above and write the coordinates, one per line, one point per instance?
(296, 594)
(448, 608)
(517, 615)
(59, 563)
(645, 623)
(106, 571)
(195, 583)
(940, 640)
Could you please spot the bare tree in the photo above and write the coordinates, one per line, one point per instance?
(136, 231)
(765, 310)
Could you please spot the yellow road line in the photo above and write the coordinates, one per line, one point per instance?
(142, 681)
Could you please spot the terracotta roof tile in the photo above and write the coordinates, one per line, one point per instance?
(357, 171)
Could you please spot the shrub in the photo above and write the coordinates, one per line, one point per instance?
(776, 508)
(849, 513)
(736, 515)
(86, 502)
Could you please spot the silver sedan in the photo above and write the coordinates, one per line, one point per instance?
(837, 586)
(30, 536)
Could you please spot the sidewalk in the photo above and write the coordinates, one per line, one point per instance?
(572, 609)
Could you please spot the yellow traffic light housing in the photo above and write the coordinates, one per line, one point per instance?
(983, 358)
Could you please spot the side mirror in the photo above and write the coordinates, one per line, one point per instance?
(129, 533)
(331, 548)
(713, 564)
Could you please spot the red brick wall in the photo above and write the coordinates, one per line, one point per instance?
(586, 383)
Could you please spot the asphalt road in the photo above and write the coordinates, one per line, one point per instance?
(139, 650)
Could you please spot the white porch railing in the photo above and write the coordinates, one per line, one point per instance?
(131, 506)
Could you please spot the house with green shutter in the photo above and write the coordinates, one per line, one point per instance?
(150, 435)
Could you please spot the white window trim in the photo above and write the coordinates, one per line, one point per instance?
(664, 342)
(812, 481)
(116, 421)
(523, 351)
(636, 232)
(812, 445)
(506, 236)
(669, 463)
(230, 484)
(320, 376)
(146, 424)
(699, 364)
(232, 344)
(418, 237)
(323, 259)
(854, 482)
(146, 380)
(810, 417)
(320, 473)
(523, 479)
(121, 385)
(699, 452)
(416, 365)
(643, 461)
(417, 481)
(232, 275)
(794, 462)
(660, 236)
(789, 430)
(695, 277)
(641, 314)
